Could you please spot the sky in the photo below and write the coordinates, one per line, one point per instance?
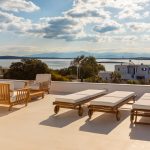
(40, 26)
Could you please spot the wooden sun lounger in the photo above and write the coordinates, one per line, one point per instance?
(76, 100)
(111, 103)
(141, 108)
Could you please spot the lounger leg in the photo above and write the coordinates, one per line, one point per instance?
(80, 111)
(90, 113)
(135, 116)
(56, 109)
(118, 115)
(132, 116)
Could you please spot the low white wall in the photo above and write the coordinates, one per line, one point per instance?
(71, 87)
(18, 84)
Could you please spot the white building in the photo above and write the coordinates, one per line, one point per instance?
(133, 72)
(105, 75)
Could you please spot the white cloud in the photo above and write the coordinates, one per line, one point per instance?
(99, 16)
(19, 25)
(19, 50)
(139, 27)
(18, 5)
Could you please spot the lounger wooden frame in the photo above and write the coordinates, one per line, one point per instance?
(110, 109)
(5, 98)
(141, 113)
(77, 105)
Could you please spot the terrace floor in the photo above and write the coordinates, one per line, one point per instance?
(36, 128)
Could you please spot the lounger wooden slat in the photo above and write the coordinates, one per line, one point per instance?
(76, 100)
(111, 103)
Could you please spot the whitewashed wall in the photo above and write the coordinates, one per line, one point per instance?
(60, 87)
(18, 84)
(71, 87)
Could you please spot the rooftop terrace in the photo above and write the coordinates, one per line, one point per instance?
(35, 127)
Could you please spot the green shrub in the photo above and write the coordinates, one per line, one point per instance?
(58, 77)
(133, 82)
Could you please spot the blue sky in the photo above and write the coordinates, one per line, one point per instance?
(38, 26)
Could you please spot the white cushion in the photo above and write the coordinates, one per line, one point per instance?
(35, 86)
(121, 94)
(91, 93)
(146, 96)
(13, 97)
(112, 99)
(141, 104)
(106, 101)
(79, 96)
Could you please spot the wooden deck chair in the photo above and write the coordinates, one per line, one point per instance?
(41, 83)
(11, 98)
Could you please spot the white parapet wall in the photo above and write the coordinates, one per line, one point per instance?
(71, 87)
(60, 87)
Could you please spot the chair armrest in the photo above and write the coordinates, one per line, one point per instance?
(22, 94)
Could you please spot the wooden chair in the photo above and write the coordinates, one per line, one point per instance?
(42, 83)
(11, 98)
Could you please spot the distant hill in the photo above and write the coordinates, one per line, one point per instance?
(59, 55)
(95, 54)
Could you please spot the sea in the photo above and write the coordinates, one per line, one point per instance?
(63, 63)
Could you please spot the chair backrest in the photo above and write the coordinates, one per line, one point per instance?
(43, 77)
(4, 93)
(11, 84)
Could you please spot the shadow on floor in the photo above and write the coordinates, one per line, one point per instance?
(104, 123)
(4, 111)
(141, 131)
(62, 119)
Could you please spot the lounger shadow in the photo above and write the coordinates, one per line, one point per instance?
(140, 132)
(104, 123)
(63, 119)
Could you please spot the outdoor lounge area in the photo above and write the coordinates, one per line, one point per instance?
(36, 126)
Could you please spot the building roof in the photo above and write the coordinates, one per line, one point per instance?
(35, 127)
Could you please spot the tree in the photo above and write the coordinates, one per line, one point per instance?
(26, 69)
(88, 66)
(116, 77)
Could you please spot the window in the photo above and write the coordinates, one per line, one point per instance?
(144, 69)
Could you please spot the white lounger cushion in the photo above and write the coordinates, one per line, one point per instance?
(112, 99)
(121, 94)
(79, 96)
(91, 93)
(146, 96)
(141, 104)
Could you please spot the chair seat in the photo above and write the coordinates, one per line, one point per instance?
(141, 104)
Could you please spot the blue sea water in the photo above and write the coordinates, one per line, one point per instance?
(63, 63)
